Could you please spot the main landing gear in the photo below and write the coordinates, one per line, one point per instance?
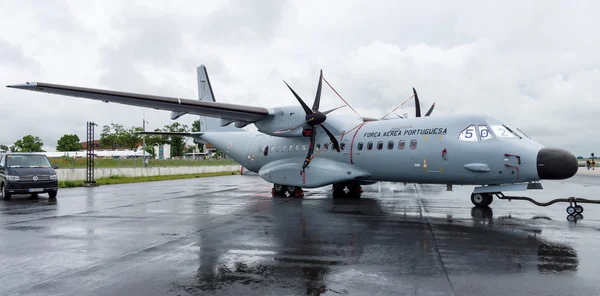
(574, 210)
(349, 190)
(287, 190)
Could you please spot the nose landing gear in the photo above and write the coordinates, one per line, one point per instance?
(574, 210)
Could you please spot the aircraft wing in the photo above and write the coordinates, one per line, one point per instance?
(206, 108)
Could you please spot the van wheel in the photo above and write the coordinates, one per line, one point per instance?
(5, 195)
(53, 194)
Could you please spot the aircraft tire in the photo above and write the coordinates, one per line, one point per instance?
(279, 189)
(481, 199)
(291, 189)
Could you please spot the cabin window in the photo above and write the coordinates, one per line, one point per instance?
(283, 148)
(272, 148)
(260, 149)
(325, 146)
(266, 150)
(291, 148)
(359, 146)
(484, 133)
(297, 147)
(413, 144)
(318, 146)
(401, 144)
(468, 134)
(379, 145)
(390, 144)
(342, 146)
(278, 146)
(303, 147)
(370, 145)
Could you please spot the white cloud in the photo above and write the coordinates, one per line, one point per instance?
(535, 65)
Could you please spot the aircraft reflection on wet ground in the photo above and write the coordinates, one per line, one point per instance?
(312, 241)
(223, 236)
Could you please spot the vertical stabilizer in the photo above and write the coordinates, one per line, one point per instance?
(205, 93)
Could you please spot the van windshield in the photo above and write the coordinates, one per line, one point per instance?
(27, 161)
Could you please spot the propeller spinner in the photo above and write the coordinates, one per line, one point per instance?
(315, 118)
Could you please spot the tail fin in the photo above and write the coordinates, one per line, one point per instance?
(205, 93)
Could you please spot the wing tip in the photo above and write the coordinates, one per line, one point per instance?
(23, 85)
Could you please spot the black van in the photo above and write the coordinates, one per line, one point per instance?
(27, 173)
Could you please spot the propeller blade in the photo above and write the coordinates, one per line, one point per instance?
(311, 148)
(336, 145)
(290, 129)
(304, 106)
(430, 110)
(318, 96)
(329, 111)
(417, 104)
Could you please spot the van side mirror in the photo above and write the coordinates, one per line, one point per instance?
(55, 166)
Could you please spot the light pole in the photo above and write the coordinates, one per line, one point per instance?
(144, 143)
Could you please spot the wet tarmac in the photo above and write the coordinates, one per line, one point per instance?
(228, 236)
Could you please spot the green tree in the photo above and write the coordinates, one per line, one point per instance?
(196, 128)
(177, 142)
(115, 135)
(68, 142)
(128, 138)
(109, 137)
(4, 148)
(29, 143)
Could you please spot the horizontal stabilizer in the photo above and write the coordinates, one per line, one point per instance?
(183, 134)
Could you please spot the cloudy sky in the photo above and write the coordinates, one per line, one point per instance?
(533, 64)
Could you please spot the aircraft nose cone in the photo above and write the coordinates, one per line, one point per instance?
(556, 164)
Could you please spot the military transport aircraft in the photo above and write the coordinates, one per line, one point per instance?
(304, 147)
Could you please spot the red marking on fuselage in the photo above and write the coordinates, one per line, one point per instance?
(352, 143)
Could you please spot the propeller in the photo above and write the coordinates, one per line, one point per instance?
(418, 105)
(315, 118)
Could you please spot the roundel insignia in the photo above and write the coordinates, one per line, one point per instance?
(229, 145)
(35, 178)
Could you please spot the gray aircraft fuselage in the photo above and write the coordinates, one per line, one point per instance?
(435, 150)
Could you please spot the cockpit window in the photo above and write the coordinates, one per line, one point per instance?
(502, 131)
(468, 134)
(484, 133)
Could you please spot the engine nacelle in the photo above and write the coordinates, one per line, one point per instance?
(283, 118)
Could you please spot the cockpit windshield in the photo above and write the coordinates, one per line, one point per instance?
(483, 132)
(503, 131)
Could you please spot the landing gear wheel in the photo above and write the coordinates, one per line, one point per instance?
(295, 191)
(279, 189)
(481, 199)
(579, 216)
(291, 189)
(5, 195)
(578, 209)
(571, 210)
(570, 218)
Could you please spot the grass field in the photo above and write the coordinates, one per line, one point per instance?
(123, 180)
(65, 163)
